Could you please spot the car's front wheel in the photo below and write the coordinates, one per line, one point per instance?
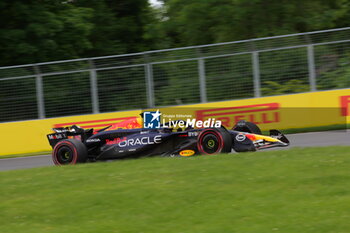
(214, 141)
(69, 151)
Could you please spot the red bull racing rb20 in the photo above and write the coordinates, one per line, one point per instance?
(73, 144)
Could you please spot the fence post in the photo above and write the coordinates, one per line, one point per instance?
(94, 87)
(39, 92)
(312, 70)
(256, 74)
(202, 80)
(149, 84)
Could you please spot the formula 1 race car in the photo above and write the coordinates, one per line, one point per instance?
(73, 144)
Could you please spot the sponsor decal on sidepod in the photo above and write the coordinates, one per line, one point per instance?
(187, 152)
(141, 141)
(123, 142)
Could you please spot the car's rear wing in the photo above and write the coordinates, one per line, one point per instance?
(68, 132)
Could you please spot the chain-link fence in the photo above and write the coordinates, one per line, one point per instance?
(234, 70)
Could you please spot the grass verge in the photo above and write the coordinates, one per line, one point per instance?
(297, 190)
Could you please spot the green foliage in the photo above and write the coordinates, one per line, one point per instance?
(67, 94)
(336, 79)
(229, 78)
(36, 31)
(208, 21)
(176, 83)
(117, 91)
(292, 86)
(337, 76)
(20, 106)
(119, 26)
(44, 30)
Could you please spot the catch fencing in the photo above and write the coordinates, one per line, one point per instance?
(270, 66)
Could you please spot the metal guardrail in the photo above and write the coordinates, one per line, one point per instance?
(269, 66)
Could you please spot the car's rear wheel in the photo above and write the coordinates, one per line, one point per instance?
(214, 141)
(70, 151)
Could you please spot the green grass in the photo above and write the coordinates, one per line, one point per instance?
(297, 190)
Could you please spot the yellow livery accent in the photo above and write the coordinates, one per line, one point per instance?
(255, 137)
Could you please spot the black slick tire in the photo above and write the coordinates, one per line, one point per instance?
(69, 151)
(214, 141)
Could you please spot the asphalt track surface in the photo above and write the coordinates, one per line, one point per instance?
(315, 139)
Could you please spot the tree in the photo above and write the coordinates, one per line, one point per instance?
(37, 31)
(119, 26)
(42, 30)
(193, 22)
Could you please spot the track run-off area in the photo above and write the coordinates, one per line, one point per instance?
(311, 139)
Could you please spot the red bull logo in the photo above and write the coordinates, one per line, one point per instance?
(115, 141)
(258, 114)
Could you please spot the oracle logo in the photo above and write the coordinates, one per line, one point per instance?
(141, 141)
